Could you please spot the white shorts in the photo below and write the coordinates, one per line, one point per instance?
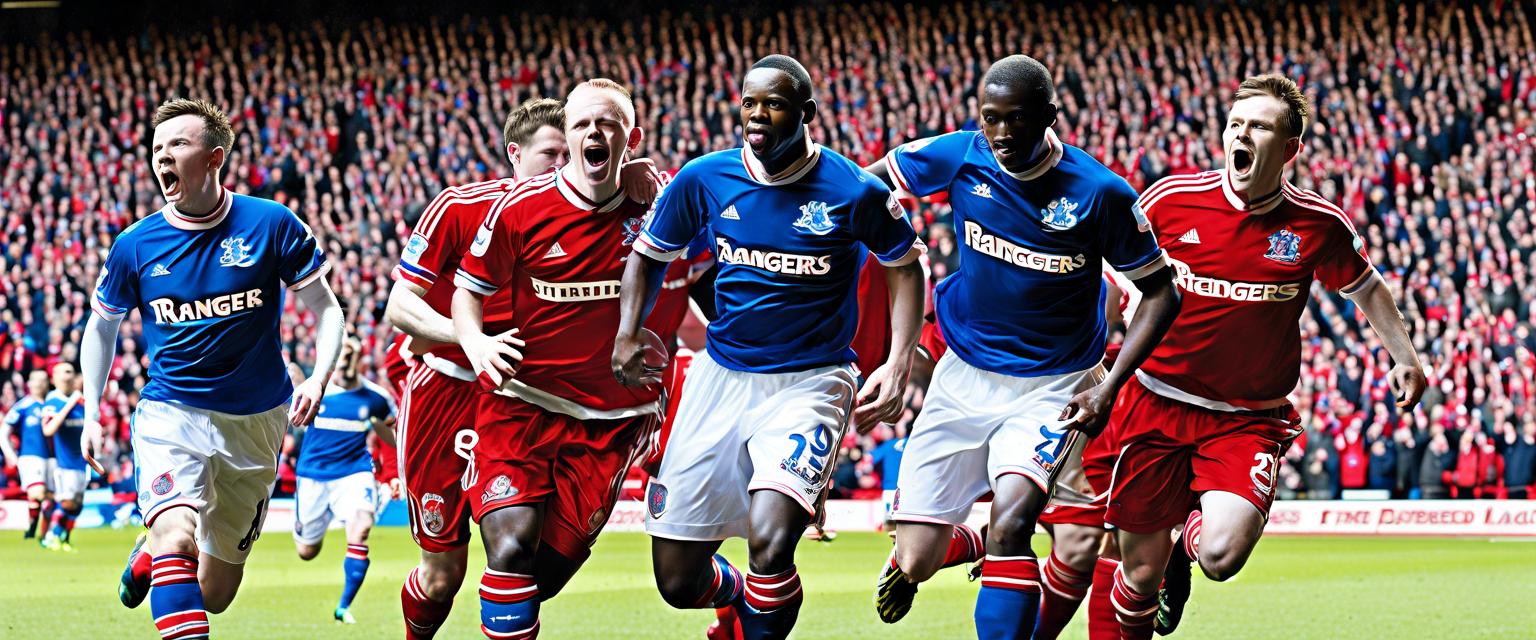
(975, 427)
(316, 502)
(888, 498)
(69, 484)
(35, 470)
(737, 432)
(222, 465)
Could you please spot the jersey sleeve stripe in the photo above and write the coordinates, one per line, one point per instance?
(908, 258)
(399, 274)
(316, 274)
(107, 311)
(651, 248)
(1158, 261)
(418, 271)
(1178, 184)
(467, 194)
(895, 171)
(465, 280)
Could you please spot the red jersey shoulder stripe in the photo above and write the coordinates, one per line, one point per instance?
(462, 194)
(1178, 184)
(1311, 200)
(524, 189)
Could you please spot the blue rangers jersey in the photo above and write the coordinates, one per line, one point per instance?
(1027, 299)
(26, 419)
(336, 445)
(66, 441)
(210, 301)
(789, 248)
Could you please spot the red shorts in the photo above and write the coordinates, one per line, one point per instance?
(396, 369)
(527, 455)
(672, 380)
(436, 433)
(1099, 457)
(1172, 452)
(931, 341)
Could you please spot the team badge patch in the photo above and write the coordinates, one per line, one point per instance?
(893, 207)
(500, 488)
(1284, 246)
(814, 219)
(414, 248)
(162, 484)
(656, 499)
(1059, 215)
(632, 229)
(432, 513)
(236, 254)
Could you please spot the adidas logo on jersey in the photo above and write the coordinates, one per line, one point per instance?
(1191, 236)
(983, 190)
(159, 270)
(730, 213)
(168, 312)
(555, 252)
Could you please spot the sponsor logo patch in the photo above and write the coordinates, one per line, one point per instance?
(414, 248)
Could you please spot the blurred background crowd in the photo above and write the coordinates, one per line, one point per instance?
(1422, 131)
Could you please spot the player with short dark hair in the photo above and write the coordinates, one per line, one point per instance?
(34, 458)
(766, 407)
(335, 471)
(205, 274)
(1023, 319)
(1203, 425)
(64, 421)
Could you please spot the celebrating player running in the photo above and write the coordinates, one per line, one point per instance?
(1205, 422)
(765, 408)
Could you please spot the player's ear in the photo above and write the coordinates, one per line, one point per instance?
(808, 112)
(216, 159)
(512, 153)
(635, 136)
(1292, 147)
(1049, 113)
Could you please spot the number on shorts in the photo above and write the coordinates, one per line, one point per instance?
(819, 448)
(1262, 473)
(255, 532)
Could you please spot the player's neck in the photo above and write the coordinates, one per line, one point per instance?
(787, 156)
(201, 212)
(599, 192)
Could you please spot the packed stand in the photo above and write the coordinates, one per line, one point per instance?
(1422, 131)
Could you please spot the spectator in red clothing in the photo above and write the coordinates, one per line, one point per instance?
(1353, 461)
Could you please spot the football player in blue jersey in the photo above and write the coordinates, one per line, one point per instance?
(1024, 319)
(34, 460)
(206, 274)
(335, 471)
(765, 408)
(63, 422)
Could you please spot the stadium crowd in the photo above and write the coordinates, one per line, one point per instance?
(1422, 130)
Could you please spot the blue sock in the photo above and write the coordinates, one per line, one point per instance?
(356, 568)
(726, 588)
(176, 600)
(1009, 600)
(509, 606)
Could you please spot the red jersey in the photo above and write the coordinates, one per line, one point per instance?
(1245, 271)
(561, 257)
(441, 239)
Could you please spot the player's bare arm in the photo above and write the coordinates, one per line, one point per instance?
(637, 294)
(881, 398)
(408, 311)
(97, 347)
(385, 429)
(640, 180)
(1375, 299)
(492, 357)
(330, 330)
(1159, 306)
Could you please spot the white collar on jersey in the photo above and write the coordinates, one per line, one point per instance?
(204, 222)
(567, 189)
(1050, 145)
(1255, 208)
(794, 172)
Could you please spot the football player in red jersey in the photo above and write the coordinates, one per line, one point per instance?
(556, 431)
(437, 391)
(1203, 425)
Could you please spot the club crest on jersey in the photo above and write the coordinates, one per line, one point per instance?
(1059, 215)
(632, 229)
(1284, 246)
(162, 484)
(432, 513)
(983, 190)
(656, 499)
(500, 488)
(414, 248)
(362, 413)
(236, 254)
(814, 219)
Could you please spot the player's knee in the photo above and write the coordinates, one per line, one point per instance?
(69, 505)
(773, 553)
(1010, 532)
(308, 551)
(507, 553)
(218, 600)
(1220, 559)
(679, 591)
(917, 562)
(441, 582)
(1076, 550)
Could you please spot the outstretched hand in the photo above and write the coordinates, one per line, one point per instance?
(1089, 410)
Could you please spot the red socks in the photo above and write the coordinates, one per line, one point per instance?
(1102, 624)
(1064, 590)
(423, 615)
(1136, 612)
(767, 593)
(965, 546)
(1191, 537)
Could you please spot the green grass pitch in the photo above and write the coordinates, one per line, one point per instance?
(1292, 588)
